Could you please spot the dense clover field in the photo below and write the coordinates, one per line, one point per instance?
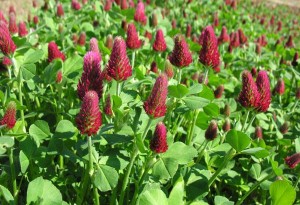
(150, 102)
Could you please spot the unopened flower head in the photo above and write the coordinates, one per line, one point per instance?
(158, 143)
(181, 55)
(9, 118)
(133, 41)
(159, 43)
(212, 131)
(54, 52)
(139, 15)
(263, 86)
(292, 161)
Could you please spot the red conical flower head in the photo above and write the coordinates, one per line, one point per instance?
(133, 41)
(290, 43)
(188, 32)
(7, 46)
(60, 11)
(169, 69)
(263, 86)
(22, 29)
(9, 118)
(124, 4)
(258, 132)
(82, 39)
(6, 61)
(139, 15)
(54, 52)
(249, 95)
(91, 78)
(158, 143)
(89, 119)
(59, 77)
(2, 18)
(155, 106)
(181, 55)
(118, 66)
(209, 54)
(35, 20)
(75, 5)
(219, 91)
(242, 37)
(159, 43)
(224, 37)
(108, 4)
(94, 47)
(280, 87)
(284, 128)
(12, 26)
(226, 126)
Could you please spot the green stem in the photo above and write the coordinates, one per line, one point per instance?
(179, 75)
(295, 105)
(250, 123)
(9, 72)
(133, 59)
(296, 184)
(128, 171)
(91, 170)
(245, 122)
(133, 156)
(13, 174)
(118, 89)
(253, 188)
(191, 133)
(204, 145)
(228, 156)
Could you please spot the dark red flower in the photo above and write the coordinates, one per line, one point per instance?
(22, 29)
(54, 52)
(131, 4)
(201, 79)
(133, 41)
(139, 15)
(75, 5)
(124, 4)
(118, 2)
(12, 26)
(226, 126)
(233, 4)
(7, 46)
(295, 58)
(279, 26)
(108, 4)
(35, 20)
(181, 55)
(297, 94)
(91, 78)
(12, 10)
(258, 132)
(209, 54)
(169, 69)
(89, 119)
(107, 108)
(59, 77)
(224, 37)
(188, 32)
(254, 72)
(118, 66)
(216, 20)
(284, 128)
(212, 131)
(249, 95)
(9, 118)
(158, 143)
(219, 91)
(154, 68)
(234, 40)
(159, 43)
(34, 4)
(290, 43)
(155, 105)
(124, 25)
(263, 87)
(82, 39)
(60, 11)
(242, 37)
(292, 161)
(280, 87)
(173, 24)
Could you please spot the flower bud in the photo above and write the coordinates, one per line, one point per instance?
(290, 43)
(109, 42)
(284, 128)
(22, 29)
(169, 69)
(158, 143)
(219, 91)
(108, 4)
(224, 37)
(35, 20)
(139, 15)
(263, 87)
(298, 94)
(258, 132)
(292, 161)
(159, 44)
(75, 5)
(280, 87)
(54, 52)
(212, 131)
(107, 108)
(82, 39)
(188, 32)
(59, 77)
(226, 126)
(154, 68)
(60, 11)
(133, 41)
(154, 20)
(295, 58)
